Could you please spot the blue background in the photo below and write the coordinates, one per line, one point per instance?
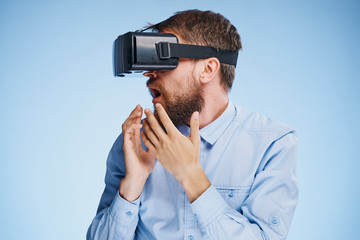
(61, 109)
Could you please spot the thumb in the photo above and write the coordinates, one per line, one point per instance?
(194, 128)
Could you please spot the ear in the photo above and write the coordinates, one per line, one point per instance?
(211, 69)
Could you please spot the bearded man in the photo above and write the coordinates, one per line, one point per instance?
(199, 167)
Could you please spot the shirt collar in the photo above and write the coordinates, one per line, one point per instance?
(213, 131)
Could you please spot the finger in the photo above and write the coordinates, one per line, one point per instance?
(139, 113)
(128, 132)
(148, 144)
(138, 121)
(131, 127)
(136, 110)
(135, 116)
(154, 125)
(150, 134)
(164, 118)
(194, 128)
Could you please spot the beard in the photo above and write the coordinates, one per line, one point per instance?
(180, 107)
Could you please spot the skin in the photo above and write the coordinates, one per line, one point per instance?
(178, 154)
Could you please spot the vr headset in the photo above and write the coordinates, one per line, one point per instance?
(147, 51)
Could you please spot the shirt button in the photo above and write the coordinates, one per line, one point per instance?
(274, 220)
(191, 237)
(129, 214)
(231, 193)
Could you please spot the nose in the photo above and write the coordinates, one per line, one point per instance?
(151, 74)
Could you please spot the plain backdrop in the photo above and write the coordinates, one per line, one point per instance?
(61, 109)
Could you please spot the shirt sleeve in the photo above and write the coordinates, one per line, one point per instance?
(116, 218)
(267, 211)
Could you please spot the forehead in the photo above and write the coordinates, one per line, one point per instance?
(181, 40)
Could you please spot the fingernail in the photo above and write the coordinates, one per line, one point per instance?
(196, 115)
(146, 110)
(157, 105)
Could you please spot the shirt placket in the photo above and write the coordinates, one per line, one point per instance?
(191, 223)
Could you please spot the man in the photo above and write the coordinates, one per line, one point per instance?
(198, 167)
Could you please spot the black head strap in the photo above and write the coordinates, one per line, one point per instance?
(168, 50)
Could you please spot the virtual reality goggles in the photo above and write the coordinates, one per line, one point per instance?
(148, 51)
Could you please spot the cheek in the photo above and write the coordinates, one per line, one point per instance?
(173, 86)
(178, 81)
(166, 93)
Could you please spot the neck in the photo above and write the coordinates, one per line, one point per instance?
(216, 101)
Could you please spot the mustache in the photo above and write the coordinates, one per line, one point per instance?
(150, 81)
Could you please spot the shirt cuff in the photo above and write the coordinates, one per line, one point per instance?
(123, 211)
(208, 206)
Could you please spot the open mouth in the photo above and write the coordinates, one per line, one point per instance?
(154, 93)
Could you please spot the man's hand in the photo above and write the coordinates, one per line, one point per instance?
(178, 154)
(138, 163)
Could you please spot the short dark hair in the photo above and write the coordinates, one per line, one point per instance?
(209, 29)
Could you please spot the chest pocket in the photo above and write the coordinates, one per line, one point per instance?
(234, 196)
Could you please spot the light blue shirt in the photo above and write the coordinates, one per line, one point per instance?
(250, 161)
